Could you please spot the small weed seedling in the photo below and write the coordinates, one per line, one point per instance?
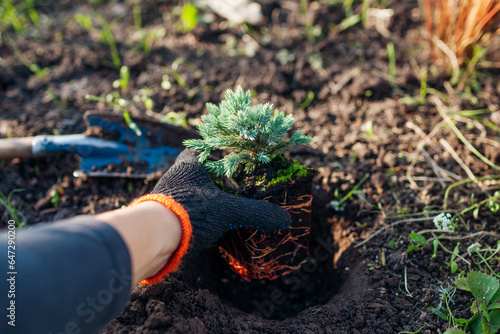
(352, 19)
(443, 309)
(416, 242)
(254, 134)
(478, 116)
(165, 82)
(146, 37)
(124, 80)
(312, 31)
(308, 100)
(485, 256)
(315, 60)
(39, 72)
(85, 21)
(284, 57)
(105, 33)
(391, 54)
(424, 90)
(442, 222)
(189, 17)
(492, 203)
(12, 210)
(142, 100)
(116, 99)
(445, 223)
(57, 101)
(452, 264)
(144, 96)
(175, 118)
(339, 205)
(17, 15)
(175, 73)
(55, 192)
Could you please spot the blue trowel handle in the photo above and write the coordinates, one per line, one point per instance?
(39, 146)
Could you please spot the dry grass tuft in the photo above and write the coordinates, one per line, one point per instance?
(460, 24)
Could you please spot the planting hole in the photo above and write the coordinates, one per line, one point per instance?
(313, 284)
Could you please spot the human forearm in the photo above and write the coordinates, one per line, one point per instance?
(74, 275)
(151, 232)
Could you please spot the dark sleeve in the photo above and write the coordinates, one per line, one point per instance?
(73, 277)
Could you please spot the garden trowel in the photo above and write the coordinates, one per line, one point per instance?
(110, 147)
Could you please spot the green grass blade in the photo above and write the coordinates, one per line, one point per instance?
(448, 120)
(391, 54)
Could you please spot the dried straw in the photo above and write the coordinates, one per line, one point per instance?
(461, 24)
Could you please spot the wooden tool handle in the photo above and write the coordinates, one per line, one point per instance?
(16, 148)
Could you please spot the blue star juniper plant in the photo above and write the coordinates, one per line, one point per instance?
(253, 134)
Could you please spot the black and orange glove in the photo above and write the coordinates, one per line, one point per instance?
(206, 212)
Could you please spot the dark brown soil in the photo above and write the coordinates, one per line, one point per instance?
(359, 122)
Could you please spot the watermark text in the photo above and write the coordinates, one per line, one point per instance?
(11, 272)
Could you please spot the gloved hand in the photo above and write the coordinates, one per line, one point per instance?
(211, 211)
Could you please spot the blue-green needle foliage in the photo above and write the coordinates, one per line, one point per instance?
(253, 134)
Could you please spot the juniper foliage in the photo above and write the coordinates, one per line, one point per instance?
(253, 134)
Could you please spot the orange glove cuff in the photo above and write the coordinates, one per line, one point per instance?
(187, 231)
